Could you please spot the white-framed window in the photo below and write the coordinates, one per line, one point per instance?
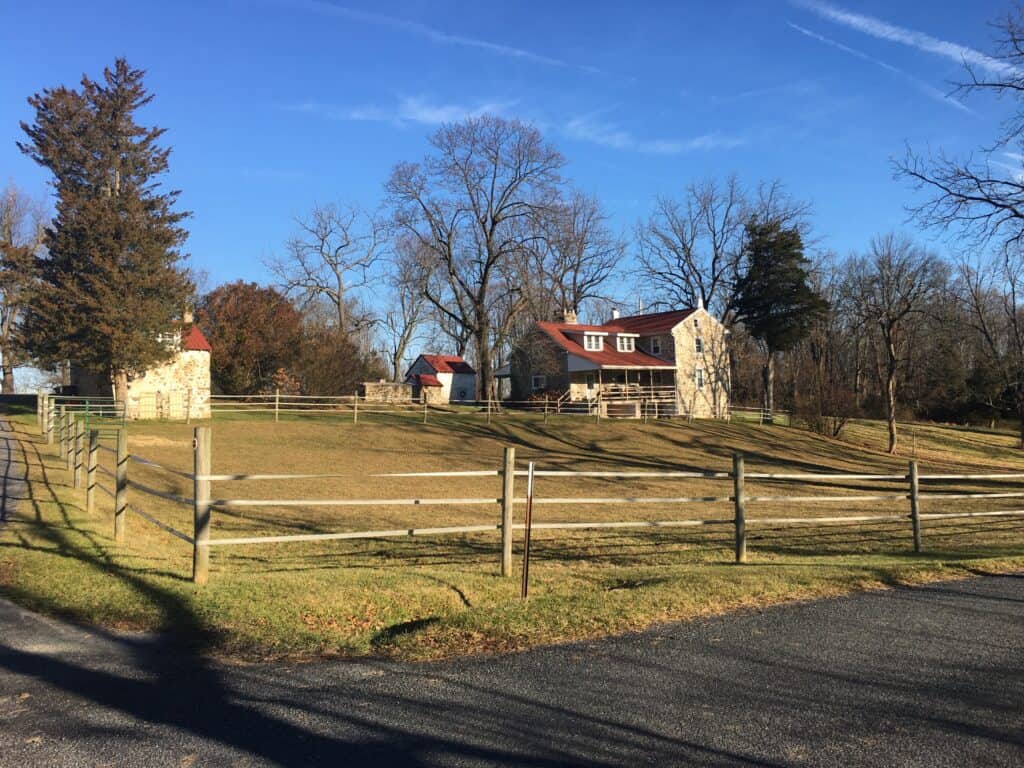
(593, 342)
(540, 381)
(655, 346)
(698, 345)
(699, 378)
(625, 343)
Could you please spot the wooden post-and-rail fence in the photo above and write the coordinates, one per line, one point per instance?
(82, 450)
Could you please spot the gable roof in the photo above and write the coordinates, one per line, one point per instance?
(193, 340)
(448, 364)
(609, 357)
(656, 322)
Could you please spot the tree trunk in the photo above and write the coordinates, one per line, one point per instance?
(890, 403)
(484, 373)
(8, 380)
(121, 386)
(768, 379)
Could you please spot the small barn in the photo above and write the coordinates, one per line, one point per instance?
(455, 377)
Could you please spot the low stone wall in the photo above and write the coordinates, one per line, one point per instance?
(387, 392)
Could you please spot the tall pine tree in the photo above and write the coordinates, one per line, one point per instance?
(111, 282)
(775, 301)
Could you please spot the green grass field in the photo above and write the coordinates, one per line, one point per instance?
(430, 597)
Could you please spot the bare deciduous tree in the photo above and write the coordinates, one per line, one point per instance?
(470, 206)
(406, 312)
(981, 198)
(332, 256)
(886, 289)
(691, 251)
(992, 292)
(22, 231)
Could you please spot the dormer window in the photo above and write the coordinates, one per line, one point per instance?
(655, 346)
(625, 343)
(592, 342)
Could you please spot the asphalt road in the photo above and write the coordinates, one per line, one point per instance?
(927, 676)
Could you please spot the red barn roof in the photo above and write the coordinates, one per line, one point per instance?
(448, 364)
(193, 340)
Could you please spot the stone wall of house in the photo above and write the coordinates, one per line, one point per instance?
(387, 392)
(538, 355)
(711, 401)
(178, 389)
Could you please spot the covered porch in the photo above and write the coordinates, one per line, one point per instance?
(624, 392)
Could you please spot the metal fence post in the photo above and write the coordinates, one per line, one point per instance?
(69, 439)
(50, 413)
(121, 485)
(90, 472)
(79, 449)
(740, 505)
(508, 486)
(201, 505)
(915, 509)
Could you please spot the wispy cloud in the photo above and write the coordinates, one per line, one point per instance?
(928, 90)
(798, 88)
(586, 128)
(883, 30)
(411, 109)
(441, 37)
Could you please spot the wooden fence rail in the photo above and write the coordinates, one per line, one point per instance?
(203, 505)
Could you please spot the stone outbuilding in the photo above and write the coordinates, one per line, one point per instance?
(176, 389)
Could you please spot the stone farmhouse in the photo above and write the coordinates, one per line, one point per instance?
(177, 389)
(442, 379)
(676, 362)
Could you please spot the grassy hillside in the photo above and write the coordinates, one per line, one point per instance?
(433, 596)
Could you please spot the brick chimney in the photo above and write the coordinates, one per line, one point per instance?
(187, 317)
(569, 317)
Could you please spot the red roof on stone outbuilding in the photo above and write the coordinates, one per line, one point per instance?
(425, 380)
(193, 340)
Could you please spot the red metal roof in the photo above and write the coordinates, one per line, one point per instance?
(656, 322)
(609, 357)
(448, 364)
(193, 340)
(425, 380)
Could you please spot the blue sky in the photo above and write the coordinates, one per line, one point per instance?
(273, 105)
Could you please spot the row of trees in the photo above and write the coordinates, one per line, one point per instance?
(484, 235)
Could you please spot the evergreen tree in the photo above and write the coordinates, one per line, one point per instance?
(111, 281)
(775, 301)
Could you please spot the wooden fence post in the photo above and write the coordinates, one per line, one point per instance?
(355, 409)
(524, 588)
(121, 486)
(545, 409)
(424, 409)
(915, 510)
(40, 421)
(740, 504)
(79, 449)
(508, 486)
(277, 404)
(201, 506)
(90, 472)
